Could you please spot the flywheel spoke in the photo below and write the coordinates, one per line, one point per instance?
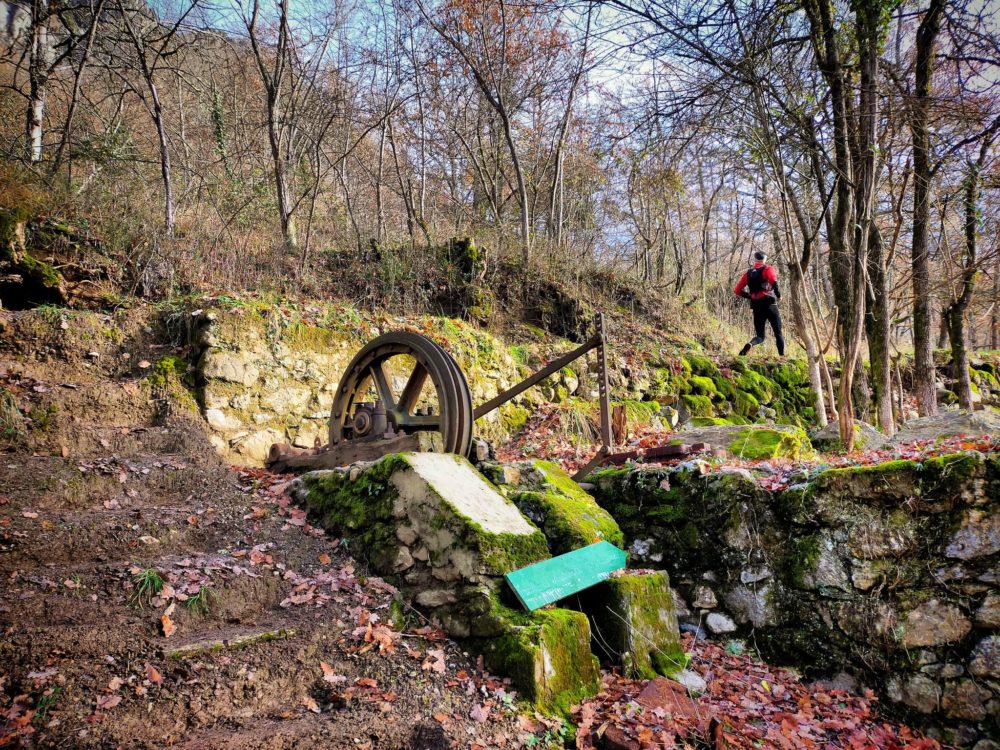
(382, 386)
(411, 391)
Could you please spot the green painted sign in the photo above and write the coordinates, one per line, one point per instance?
(558, 577)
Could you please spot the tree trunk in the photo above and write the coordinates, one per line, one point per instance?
(797, 290)
(165, 170)
(877, 330)
(38, 78)
(995, 307)
(923, 365)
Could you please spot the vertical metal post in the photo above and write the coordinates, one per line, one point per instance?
(602, 385)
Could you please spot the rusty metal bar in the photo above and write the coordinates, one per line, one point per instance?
(602, 384)
(553, 367)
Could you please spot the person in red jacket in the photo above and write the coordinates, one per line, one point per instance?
(760, 286)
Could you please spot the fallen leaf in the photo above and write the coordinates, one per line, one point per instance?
(104, 702)
(479, 713)
(153, 674)
(434, 661)
(115, 684)
(168, 626)
(324, 559)
(329, 675)
(29, 514)
(310, 703)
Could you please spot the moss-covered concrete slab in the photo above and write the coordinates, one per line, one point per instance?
(431, 523)
(547, 656)
(570, 517)
(634, 621)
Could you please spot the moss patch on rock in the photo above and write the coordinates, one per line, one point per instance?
(569, 517)
(547, 656)
(634, 621)
(762, 443)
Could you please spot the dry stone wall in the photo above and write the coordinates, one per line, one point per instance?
(885, 576)
(263, 380)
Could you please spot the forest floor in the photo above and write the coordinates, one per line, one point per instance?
(153, 596)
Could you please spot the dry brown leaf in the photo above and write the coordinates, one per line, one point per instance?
(168, 626)
(153, 674)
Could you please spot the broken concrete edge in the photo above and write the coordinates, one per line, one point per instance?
(217, 645)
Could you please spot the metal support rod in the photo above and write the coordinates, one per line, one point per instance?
(553, 367)
(602, 384)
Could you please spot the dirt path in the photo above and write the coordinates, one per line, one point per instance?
(151, 596)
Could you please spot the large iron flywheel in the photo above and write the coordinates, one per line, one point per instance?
(386, 388)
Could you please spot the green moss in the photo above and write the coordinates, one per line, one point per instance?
(547, 656)
(944, 476)
(569, 516)
(763, 443)
(514, 418)
(359, 510)
(40, 272)
(703, 386)
(745, 404)
(634, 622)
(710, 421)
(699, 406)
(800, 559)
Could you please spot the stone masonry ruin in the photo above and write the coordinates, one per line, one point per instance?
(445, 535)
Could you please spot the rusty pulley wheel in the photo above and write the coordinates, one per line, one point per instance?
(366, 394)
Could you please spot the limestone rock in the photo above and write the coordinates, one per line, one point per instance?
(287, 399)
(978, 536)
(703, 597)
(637, 622)
(719, 623)
(219, 420)
(934, 623)
(917, 691)
(986, 658)
(254, 447)
(965, 700)
(948, 424)
(233, 367)
(866, 437)
(752, 441)
(693, 682)
(753, 575)
(752, 605)
(435, 597)
(988, 614)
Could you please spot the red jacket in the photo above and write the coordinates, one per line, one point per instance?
(770, 279)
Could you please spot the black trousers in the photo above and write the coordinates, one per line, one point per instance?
(766, 311)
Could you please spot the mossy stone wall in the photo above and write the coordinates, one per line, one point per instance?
(267, 374)
(888, 572)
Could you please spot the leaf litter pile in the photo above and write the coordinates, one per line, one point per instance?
(748, 704)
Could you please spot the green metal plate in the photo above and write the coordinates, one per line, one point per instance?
(558, 577)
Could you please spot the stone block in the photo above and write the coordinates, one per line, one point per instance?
(934, 623)
(635, 623)
(439, 500)
(986, 658)
(233, 367)
(569, 516)
(547, 656)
